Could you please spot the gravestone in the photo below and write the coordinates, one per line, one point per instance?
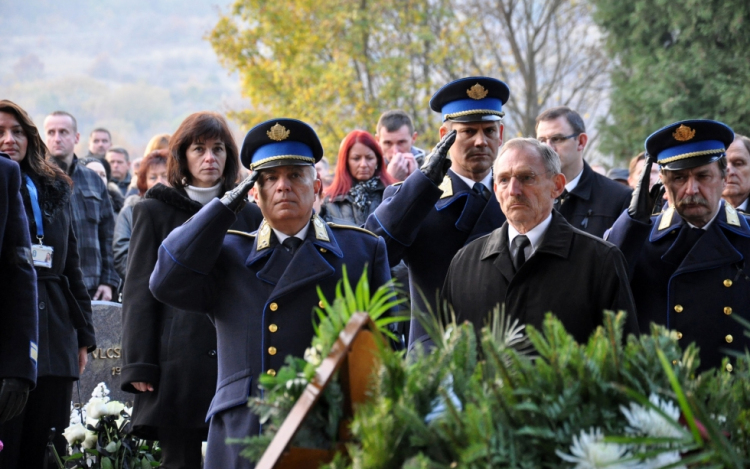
(105, 363)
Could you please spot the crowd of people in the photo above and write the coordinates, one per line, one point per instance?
(216, 251)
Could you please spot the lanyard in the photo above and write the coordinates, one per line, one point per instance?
(34, 196)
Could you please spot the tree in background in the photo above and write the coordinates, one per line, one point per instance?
(674, 60)
(338, 64)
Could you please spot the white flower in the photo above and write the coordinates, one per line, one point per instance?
(101, 392)
(664, 459)
(75, 434)
(649, 422)
(203, 448)
(90, 440)
(589, 451)
(113, 408)
(96, 408)
(313, 355)
(296, 382)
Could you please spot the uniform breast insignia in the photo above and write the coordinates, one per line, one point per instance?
(683, 133)
(732, 217)
(264, 236)
(447, 187)
(321, 233)
(350, 227)
(278, 133)
(477, 92)
(241, 233)
(666, 218)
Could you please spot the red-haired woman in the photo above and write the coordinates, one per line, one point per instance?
(357, 187)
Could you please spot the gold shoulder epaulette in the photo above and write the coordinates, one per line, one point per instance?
(397, 183)
(241, 233)
(349, 227)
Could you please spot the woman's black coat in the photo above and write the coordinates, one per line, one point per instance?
(65, 322)
(173, 351)
(341, 209)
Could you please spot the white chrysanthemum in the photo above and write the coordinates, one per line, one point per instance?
(96, 408)
(75, 434)
(589, 451)
(664, 459)
(647, 421)
(101, 392)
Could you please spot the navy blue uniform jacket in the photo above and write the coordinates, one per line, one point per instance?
(18, 313)
(426, 226)
(694, 292)
(262, 311)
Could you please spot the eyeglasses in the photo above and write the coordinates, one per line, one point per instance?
(554, 140)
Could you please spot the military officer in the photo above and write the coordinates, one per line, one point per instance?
(437, 211)
(687, 264)
(260, 288)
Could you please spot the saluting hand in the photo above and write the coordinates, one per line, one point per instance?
(236, 198)
(643, 200)
(437, 163)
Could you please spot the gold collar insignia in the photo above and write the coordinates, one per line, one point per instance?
(321, 234)
(447, 187)
(732, 217)
(278, 132)
(264, 236)
(683, 133)
(477, 92)
(666, 218)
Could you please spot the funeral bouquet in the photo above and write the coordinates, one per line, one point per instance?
(519, 397)
(99, 438)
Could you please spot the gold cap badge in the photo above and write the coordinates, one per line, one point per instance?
(477, 92)
(683, 133)
(278, 132)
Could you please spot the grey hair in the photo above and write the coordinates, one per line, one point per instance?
(549, 157)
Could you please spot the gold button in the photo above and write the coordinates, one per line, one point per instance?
(729, 338)
(323, 250)
(272, 350)
(679, 335)
(727, 283)
(727, 310)
(320, 304)
(729, 367)
(674, 362)
(273, 306)
(273, 328)
(271, 372)
(678, 308)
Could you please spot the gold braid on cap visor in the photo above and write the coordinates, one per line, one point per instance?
(283, 157)
(475, 111)
(690, 155)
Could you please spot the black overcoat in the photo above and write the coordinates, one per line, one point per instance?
(64, 306)
(595, 203)
(260, 300)
(572, 274)
(425, 225)
(693, 289)
(19, 334)
(175, 352)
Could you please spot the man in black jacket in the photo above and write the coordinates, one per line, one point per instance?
(590, 202)
(536, 262)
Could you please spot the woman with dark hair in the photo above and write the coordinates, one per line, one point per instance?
(359, 181)
(66, 332)
(154, 171)
(169, 356)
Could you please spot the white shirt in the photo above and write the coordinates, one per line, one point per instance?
(487, 181)
(573, 183)
(743, 206)
(535, 236)
(300, 234)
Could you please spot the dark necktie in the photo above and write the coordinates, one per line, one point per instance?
(481, 189)
(291, 244)
(520, 242)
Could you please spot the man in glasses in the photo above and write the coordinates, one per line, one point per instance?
(536, 262)
(590, 202)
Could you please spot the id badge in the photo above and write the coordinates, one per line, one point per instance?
(42, 255)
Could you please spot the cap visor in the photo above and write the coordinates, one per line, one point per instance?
(693, 162)
(275, 163)
(476, 118)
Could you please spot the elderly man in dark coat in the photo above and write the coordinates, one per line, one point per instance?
(20, 322)
(446, 205)
(688, 264)
(537, 262)
(259, 288)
